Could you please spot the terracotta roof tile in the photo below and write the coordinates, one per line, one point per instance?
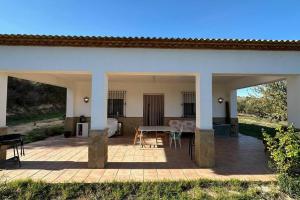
(147, 42)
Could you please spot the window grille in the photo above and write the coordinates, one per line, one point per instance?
(189, 106)
(116, 103)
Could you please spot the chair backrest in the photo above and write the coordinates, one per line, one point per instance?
(181, 129)
(186, 125)
(175, 124)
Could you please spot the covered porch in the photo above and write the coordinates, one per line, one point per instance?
(59, 159)
(224, 157)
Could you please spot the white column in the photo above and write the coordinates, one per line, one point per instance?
(233, 104)
(70, 103)
(204, 101)
(3, 99)
(293, 100)
(99, 101)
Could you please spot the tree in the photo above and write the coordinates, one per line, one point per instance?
(267, 101)
(274, 99)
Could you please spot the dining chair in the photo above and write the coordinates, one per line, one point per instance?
(176, 136)
(138, 136)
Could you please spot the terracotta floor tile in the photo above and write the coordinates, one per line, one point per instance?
(59, 159)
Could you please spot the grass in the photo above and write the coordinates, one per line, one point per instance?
(252, 126)
(43, 133)
(200, 189)
(21, 119)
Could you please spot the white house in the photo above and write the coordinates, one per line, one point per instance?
(178, 78)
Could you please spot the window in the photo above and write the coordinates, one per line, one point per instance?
(189, 106)
(116, 104)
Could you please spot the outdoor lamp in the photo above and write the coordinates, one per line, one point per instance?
(86, 99)
(220, 100)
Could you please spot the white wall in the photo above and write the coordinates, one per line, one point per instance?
(135, 91)
(142, 60)
(81, 90)
(223, 92)
(24, 58)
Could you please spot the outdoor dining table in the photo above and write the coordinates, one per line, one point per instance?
(154, 129)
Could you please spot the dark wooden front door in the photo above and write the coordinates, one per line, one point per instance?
(153, 110)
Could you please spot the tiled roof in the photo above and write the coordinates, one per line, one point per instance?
(147, 42)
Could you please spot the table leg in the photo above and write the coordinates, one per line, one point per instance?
(141, 135)
(156, 139)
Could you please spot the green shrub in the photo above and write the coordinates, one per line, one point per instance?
(290, 185)
(284, 149)
(43, 133)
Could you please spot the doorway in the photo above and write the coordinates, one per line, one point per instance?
(153, 111)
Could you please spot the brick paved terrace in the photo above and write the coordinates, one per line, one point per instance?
(59, 159)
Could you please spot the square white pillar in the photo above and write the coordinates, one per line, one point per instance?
(233, 104)
(70, 103)
(3, 99)
(293, 100)
(3, 104)
(204, 133)
(98, 140)
(204, 101)
(99, 101)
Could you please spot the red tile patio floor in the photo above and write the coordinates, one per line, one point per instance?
(59, 159)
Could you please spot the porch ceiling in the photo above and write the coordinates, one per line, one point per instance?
(243, 81)
(61, 79)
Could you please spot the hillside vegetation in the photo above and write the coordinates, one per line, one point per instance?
(30, 101)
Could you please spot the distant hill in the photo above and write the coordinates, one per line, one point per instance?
(31, 98)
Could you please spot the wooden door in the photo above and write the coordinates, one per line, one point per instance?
(153, 110)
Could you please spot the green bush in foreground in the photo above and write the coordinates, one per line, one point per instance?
(290, 185)
(284, 150)
(200, 189)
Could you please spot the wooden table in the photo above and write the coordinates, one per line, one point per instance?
(155, 129)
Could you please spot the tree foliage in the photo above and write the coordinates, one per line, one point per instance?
(268, 101)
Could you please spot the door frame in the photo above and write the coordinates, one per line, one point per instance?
(163, 105)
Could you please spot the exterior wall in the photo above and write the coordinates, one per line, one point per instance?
(82, 89)
(219, 109)
(134, 102)
(103, 61)
(173, 97)
(109, 60)
(135, 91)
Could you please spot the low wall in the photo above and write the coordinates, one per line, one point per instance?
(130, 123)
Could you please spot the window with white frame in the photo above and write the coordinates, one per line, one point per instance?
(116, 103)
(189, 106)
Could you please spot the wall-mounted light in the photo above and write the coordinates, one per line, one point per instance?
(86, 99)
(220, 100)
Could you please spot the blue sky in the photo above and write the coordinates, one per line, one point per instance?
(244, 92)
(266, 19)
(248, 19)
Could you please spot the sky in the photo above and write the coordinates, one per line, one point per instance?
(243, 19)
(245, 92)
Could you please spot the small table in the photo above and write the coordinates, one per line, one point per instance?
(13, 140)
(155, 129)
